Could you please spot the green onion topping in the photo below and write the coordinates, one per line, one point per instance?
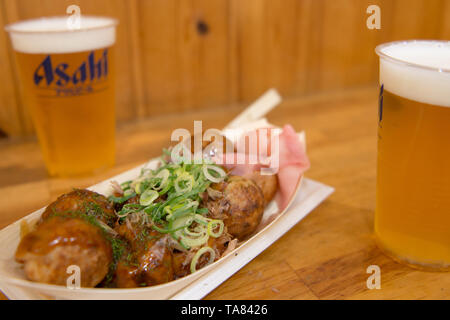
(198, 254)
(170, 199)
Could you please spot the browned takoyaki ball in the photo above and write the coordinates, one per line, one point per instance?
(181, 263)
(149, 260)
(69, 233)
(85, 202)
(241, 206)
(267, 183)
(59, 242)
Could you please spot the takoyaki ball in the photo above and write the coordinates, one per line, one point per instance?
(181, 263)
(126, 275)
(241, 206)
(59, 242)
(85, 202)
(267, 183)
(149, 261)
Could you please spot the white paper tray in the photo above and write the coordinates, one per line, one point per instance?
(310, 195)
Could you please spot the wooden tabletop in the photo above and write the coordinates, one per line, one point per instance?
(325, 256)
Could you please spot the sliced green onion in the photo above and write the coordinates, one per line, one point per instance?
(194, 242)
(188, 181)
(125, 185)
(213, 224)
(126, 196)
(168, 210)
(197, 232)
(164, 176)
(178, 171)
(190, 204)
(187, 238)
(165, 190)
(160, 230)
(218, 170)
(201, 219)
(186, 207)
(182, 221)
(127, 209)
(137, 188)
(198, 254)
(148, 197)
(149, 209)
(202, 211)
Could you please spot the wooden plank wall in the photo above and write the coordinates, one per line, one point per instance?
(182, 55)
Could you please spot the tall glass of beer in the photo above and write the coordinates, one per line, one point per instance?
(412, 217)
(66, 75)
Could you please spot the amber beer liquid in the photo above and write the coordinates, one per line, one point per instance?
(412, 218)
(67, 80)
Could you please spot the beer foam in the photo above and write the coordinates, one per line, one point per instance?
(417, 70)
(53, 35)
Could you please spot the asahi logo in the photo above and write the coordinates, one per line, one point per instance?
(64, 80)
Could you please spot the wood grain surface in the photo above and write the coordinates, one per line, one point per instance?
(325, 256)
(188, 55)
